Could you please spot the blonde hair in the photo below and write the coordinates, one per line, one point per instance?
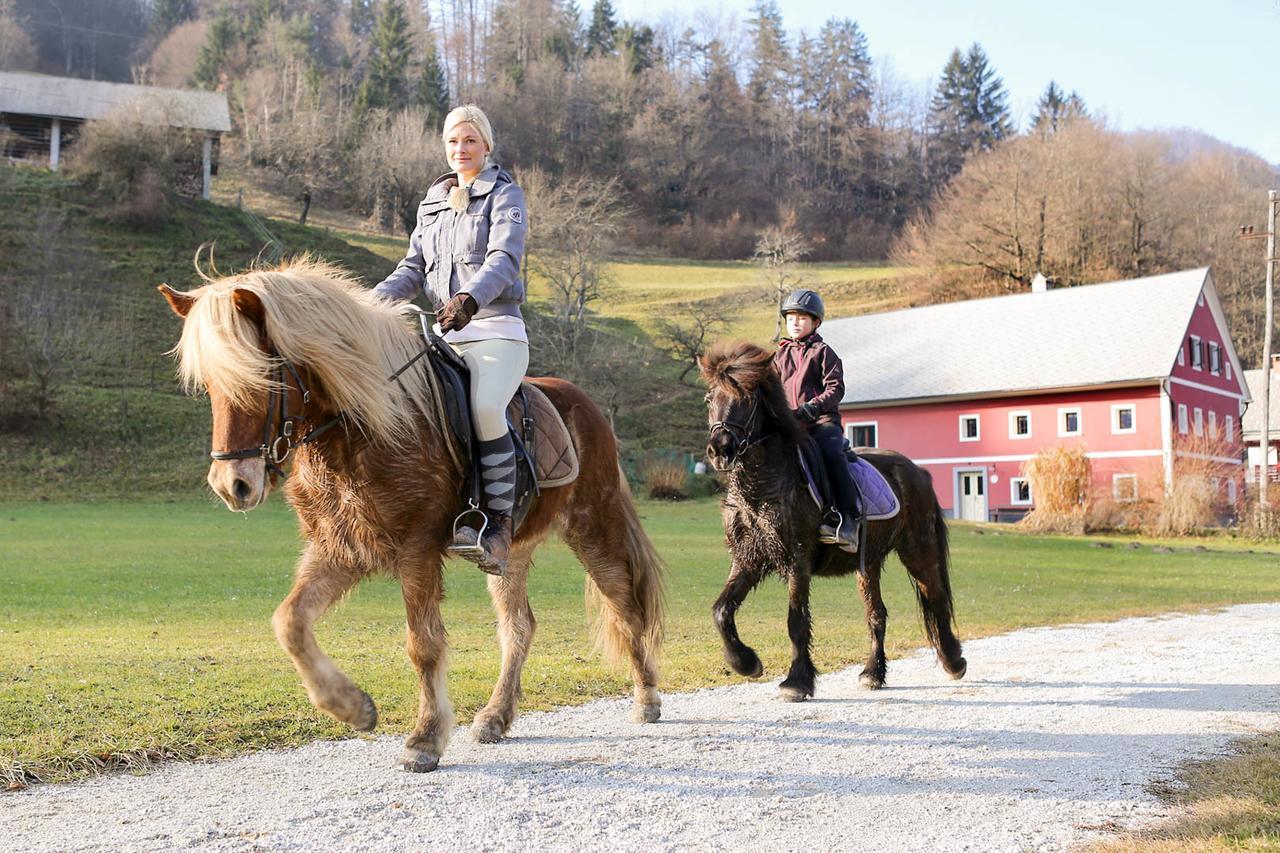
(474, 116)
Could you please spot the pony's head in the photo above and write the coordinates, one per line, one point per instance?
(745, 402)
(281, 352)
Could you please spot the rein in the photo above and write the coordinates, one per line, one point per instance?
(275, 448)
(741, 433)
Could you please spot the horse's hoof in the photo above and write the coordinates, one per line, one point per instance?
(792, 693)
(417, 761)
(646, 713)
(958, 669)
(747, 663)
(487, 730)
(871, 681)
(367, 719)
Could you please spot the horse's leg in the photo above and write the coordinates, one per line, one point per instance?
(426, 645)
(799, 682)
(317, 584)
(925, 556)
(741, 657)
(515, 635)
(873, 673)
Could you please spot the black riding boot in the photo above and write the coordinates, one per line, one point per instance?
(498, 494)
(844, 530)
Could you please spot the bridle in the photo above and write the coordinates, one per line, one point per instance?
(277, 446)
(745, 435)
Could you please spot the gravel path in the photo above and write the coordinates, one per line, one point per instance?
(1053, 734)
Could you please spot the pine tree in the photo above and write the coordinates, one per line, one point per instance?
(223, 33)
(602, 34)
(637, 43)
(167, 14)
(432, 89)
(969, 112)
(769, 82)
(1056, 110)
(386, 80)
(362, 17)
(988, 101)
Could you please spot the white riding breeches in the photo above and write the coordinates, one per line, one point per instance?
(496, 367)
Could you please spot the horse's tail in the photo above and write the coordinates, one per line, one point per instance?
(929, 607)
(613, 631)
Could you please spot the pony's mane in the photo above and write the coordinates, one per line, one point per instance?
(318, 317)
(738, 368)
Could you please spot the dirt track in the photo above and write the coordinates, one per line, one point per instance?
(1053, 733)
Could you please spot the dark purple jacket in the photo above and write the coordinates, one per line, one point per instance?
(811, 373)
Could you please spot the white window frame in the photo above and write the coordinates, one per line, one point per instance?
(1013, 492)
(1197, 421)
(1116, 429)
(1115, 490)
(1231, 490)
(977, 423)
(848, 431)
(1182, 355)
(1062, 420)
(1197, 354)
(1226, 363)
(1215, 355)
(1229, 428)
(1013, 424)
(1213, 424)
(1184, 424)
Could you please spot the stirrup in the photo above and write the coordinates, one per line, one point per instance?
(832, 538)
(467, 539)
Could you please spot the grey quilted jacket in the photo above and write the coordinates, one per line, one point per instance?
(477, 251)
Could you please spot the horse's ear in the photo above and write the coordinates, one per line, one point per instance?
(180, 302)
(248, 304)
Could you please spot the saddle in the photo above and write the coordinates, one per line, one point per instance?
(545, 455)
(876, 497)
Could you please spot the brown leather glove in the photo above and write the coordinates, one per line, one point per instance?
(457, 312)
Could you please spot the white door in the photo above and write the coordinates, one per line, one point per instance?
(972, 504)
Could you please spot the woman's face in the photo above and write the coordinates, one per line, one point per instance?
(465, 149)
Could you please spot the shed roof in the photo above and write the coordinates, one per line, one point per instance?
(67, 97)
(1077, 337)
(1251, 422)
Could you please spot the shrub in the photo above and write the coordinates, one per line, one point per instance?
(1061, 479)
(1193, 500)
(665, 480)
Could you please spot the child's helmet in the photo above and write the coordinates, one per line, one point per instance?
(806, 302)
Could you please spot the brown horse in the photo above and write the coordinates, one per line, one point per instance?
(298, 358)
(771, 524)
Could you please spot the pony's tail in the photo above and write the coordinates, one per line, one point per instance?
(930, 608)
(612, 631)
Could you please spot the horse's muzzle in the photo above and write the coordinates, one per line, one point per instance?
(241, 483)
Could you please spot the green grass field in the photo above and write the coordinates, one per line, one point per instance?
(137, 631)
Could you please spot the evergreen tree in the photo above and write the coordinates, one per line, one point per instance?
(167, 14)
(432, 89)
(223, 33)
(386, 80)
(602, 34)
(1055, 110)
(987, 100)
(567, 40)
(769, 82)
(638, 45)
(362, 17)
(969, 112)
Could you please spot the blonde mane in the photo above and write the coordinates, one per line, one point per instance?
(319, 318)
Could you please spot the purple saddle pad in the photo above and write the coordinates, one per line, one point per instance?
(878, 499)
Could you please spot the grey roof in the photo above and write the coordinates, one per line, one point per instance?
(1251, 423)
(67, 97)
(1100, 334)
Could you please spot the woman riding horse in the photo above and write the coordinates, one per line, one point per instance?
(465, 253)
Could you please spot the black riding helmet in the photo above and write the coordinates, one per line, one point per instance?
(806, 302)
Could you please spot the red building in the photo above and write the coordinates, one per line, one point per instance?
(1137, 372)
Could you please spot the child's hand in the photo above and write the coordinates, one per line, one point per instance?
(807, 413)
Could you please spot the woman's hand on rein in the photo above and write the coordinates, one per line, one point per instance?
(457, 312)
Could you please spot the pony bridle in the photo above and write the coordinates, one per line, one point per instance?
(741, 435)
(277, 446)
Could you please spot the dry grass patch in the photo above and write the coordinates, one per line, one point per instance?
(1229, 802)
(665, 480)
(1061, 478)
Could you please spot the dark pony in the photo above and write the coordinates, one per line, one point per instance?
(296, 361)
(771, 523)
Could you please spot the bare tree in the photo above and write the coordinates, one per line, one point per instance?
(778, 250)
(685, 339)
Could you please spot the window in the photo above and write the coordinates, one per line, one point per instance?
(1215, 358)
(1124, 487)
(969, 428)
(1229, 428)
(1124, 418)
(1231, 491)
(1020, 491)
(862, 433)
(1182, 418)
(1213, 424)
(1070, 422)
(1182, 355)
(1019, 425)
(1228, 369)
(1198, 420)
(1197, 354)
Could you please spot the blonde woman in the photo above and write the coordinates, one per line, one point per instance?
(465, 253)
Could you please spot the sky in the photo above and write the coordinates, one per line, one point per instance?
(1212, 65)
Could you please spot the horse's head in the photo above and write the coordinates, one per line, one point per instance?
(260, 402)
(745, 403)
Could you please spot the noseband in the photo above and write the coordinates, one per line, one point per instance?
(743, 436)
(275, 448)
